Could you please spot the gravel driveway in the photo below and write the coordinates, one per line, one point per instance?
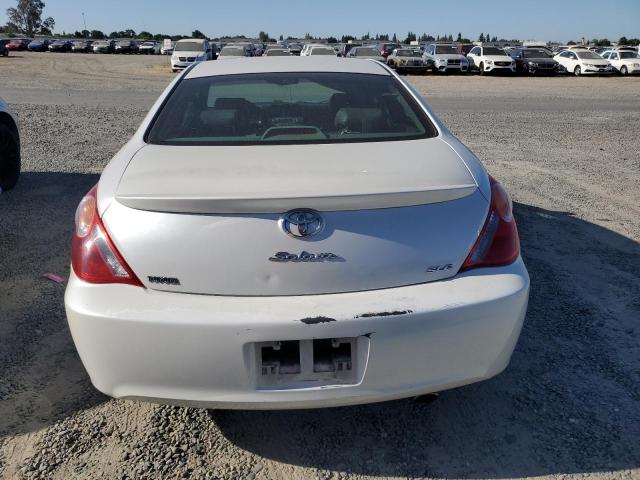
(568, 150)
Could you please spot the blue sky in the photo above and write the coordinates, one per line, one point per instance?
(560, 20)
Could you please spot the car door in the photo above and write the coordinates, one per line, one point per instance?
(472, 56)
(614, 59)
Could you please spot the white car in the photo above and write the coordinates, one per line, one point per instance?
(624, 61)
(306, 49)
(273, 237)
(276, 52)
(9, 148)
(189, 51)
(583, 61)
(446, 58)
(149, 48)
(490, 59)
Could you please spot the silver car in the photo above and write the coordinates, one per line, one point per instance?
(446, 58)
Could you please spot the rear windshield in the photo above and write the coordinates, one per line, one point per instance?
(408, 53)
(232, 52)
(588, 55)
(367, 52)
(301, 107)
(322, 51)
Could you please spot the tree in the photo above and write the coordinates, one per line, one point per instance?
(332, 40)
(487, 38)
(395, 38)
(114, 35)
(97, 34)
(623, 41)
(263, 36)
(198, 34)
(145, 35)
(459, 38)
(481, 37)
(411, 37)
(571, 42)
(281, 38)
(26, 17)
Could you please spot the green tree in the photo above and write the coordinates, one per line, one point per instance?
(411, 37)
(97, 34)
(394, 39)
(26, 17)
(145, 35)
(198, 34)
(571, 42)
(481, 37)
(114, 35)
(332, 40)
(263, 36)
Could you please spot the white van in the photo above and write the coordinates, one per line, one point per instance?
(188, 51)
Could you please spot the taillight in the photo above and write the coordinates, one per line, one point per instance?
(94, 257)
(498, 242)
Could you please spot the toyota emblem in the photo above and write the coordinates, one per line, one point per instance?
(301, 223)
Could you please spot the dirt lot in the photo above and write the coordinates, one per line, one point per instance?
(568, 405)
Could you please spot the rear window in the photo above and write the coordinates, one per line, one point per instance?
(285, 108)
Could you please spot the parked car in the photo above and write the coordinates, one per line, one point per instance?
(39, 45)
(365, 52)
(346, 48)
(446, 58)
(82, 46)
(104, 46)
(189, 51)
(232, 51)
(216, 264)
(149, 48)
(277, 52)
(534, 61)
(387, 49)
(18, 44)
(4, 51)
(295, 48)
(624, 62)
(583, 62)
(9, 148)
(406, 60)
(464, 48)
(322, 50)
(127, 46)
(490, 60)
(60, 46)
(166, 49)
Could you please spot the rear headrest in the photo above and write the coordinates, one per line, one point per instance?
(358, 119)
(218, 118)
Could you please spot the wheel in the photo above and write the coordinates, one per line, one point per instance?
(577, 71)
(9, 157)
(481, 69)
(623, 70)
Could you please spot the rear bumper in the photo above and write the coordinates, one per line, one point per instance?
(198, 350)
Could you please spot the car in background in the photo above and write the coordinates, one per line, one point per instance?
(583, 62)
(295, 48)
(189, 51)
(345, 48)
(233, 51)
(167, 47)
(18, 44)
(534, 61)
(396, 255)
(489, 59)
(4, 51)
(60, 46)
(104, 46)
(366, 52)
(39, 45)
(407, 60)
(149, 48)
(82, 46)
(446, 58)
(276, 52)
(387, 49)
(321, 50)
(464, 48)
(127, 46)
(9, 148)
(625, 62)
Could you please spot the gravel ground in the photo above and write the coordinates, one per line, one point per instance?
(568, 405)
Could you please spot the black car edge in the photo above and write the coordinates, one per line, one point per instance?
(4, 51)
(533, 61)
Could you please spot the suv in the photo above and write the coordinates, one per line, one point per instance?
(446, 58)
(188, 51)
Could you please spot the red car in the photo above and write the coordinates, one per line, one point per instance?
(18, 44)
